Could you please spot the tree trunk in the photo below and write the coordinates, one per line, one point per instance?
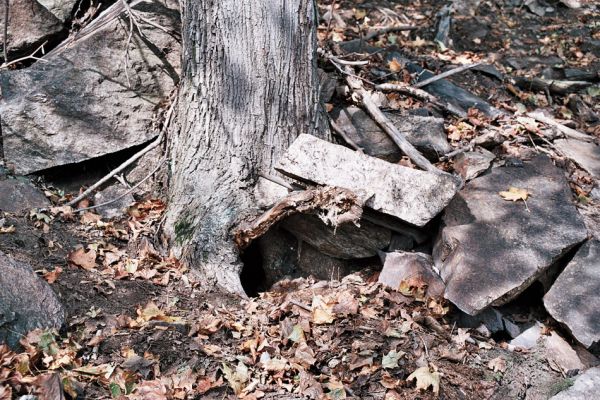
(249, 88)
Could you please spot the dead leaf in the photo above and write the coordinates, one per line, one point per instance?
(322, 311)
(336, 390)
(5, 393)
(83, 259)
(390, 360)
(52, 276)
(146, 390)
(48, 386)
(89, 218)
(237, 378)
(8, 229)
(395, 66)
(425, 378)
(498, 364)
(515, 194)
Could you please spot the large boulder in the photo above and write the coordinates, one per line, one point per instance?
(26, 302)
(585, 387)
(17, 195)
(87, 101)
(408, 194)
(574, 298)
(490, 249)
(29, 25)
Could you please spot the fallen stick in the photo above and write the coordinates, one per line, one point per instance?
(422, 95)
(130, 161)
(374, 34)
(387, 125)
(568, 132)
(5, 38)
(126, 193)
(29, 57)
(443, 75)
(338, 129)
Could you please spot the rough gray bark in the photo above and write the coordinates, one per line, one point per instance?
(249, 88)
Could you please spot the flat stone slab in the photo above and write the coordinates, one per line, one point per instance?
(425, 133)
(411, 268)
(411, 195)
(346, 241)
(574, 299)
(80, 104)
(17, 195)
(26, 302)
(586, 387)
(490, 249)
(586, 155)
(473, 163)
(29, 25)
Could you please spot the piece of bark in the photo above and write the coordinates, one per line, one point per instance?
(337, 206)
(346, 241)
(411, 195)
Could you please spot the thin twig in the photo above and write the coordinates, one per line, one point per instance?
(31, 56)
(276, 180)
(127, 192)
(443, 75)
(301, 305)
(330, 18)
(340, 131)
(6, 6)
(130, 161)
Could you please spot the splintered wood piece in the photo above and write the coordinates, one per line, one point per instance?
(336, 206)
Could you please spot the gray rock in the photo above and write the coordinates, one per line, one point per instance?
(61, 9)
(26, 302)
(573, 299)
(18, 195)
(29, 25)
(117, 208)
(401, 242)
(425, 133)
(346, 241)
(78, 105)
(491, 318)
(411, 267)
(473, 163)
(490, 249)
(586, 387)
(586, 155)
(411, 195)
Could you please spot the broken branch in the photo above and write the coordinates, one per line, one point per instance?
(568, 132)
(340, 206)
(443, 75)
(423, 96)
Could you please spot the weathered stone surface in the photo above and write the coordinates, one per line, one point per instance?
(425, 133)
(490, 249)
(26, 302)
(117, 208)
(473, 163)
(411, 267)
(586, 387)
(61, 9)
(574, 298)
(586, 155)
(29, 25)
(346, 241)
(401, 242)
(411, 195)
(17, 195)
(79, 105)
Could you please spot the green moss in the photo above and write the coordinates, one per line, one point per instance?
(561, 385)
(183, 230)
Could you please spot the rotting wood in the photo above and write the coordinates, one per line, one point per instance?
(560, 87)
(337, 205)
(423, 96)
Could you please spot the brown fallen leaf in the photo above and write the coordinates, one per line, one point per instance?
(515, 194)
(5, 393)
(8, 229)
(52, 276)
(322, 311)
(48, 386)
(395, 66)
(83, 259)
(498, 364)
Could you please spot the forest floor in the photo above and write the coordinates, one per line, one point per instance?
(142, 326)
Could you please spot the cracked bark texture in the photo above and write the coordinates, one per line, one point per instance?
(249, 88)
